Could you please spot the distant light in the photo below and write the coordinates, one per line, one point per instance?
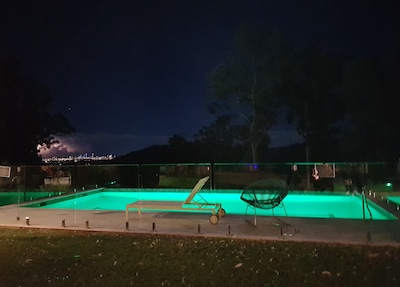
(79, 158)
(252, 166)
(388, 184)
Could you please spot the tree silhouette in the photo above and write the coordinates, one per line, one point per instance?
(315, 101)
(370, 87)
(245, 87)
(220, 132)
(177, 140)
(25, 121)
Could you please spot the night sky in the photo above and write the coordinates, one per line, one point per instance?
(130, 74)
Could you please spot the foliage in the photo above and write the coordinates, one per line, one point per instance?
(221, 132)
(315, 101)
(34, 257)
(370, 85)
(25, 121)
(177, 140)
(245, 88)
(342, 106)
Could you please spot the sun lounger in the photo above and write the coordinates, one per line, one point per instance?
(189, 204)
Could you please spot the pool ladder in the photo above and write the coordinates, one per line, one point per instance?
(365, 205)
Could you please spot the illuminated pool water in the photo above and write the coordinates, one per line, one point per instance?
(309, 205)
(12, 197)
(394, 199)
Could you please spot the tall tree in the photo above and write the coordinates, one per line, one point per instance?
(315, 101)
(245, 87)
(25, 121)
(370, 85)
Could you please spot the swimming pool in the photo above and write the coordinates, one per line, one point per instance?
(394, 199)
(306, 205)
(12, 197)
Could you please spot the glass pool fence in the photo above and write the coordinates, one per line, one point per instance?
(29, 183)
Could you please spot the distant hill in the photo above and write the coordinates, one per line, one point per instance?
(204, 153)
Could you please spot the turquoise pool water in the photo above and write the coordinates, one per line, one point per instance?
(12, 197)
(394, 199)
(309, 205)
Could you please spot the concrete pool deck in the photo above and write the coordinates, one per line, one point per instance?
(372, 232)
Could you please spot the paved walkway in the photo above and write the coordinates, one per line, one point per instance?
(376, 232)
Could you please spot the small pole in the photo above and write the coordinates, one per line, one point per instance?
(198, 228)
(27, 220)
(281, 231)
(229, 230)
(87, 223)
(127, 225)
(63, 223)
(369, 236)
(363, 199)
(154, 227)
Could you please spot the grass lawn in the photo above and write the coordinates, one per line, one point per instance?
(43, 257)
